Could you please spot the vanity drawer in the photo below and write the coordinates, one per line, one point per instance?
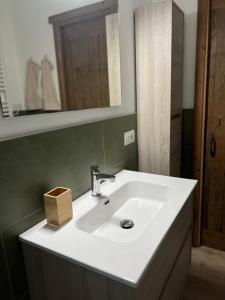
(160, 268)
(177, 279)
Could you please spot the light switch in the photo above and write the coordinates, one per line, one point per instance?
(129, 137)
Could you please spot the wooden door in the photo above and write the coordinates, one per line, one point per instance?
(214, 175)
(86, 64)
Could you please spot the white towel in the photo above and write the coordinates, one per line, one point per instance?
(32, 98)
(50, 99)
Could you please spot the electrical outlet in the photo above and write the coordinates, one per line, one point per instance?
(129, 137)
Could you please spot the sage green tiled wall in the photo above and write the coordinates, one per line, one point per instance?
(30, 166)
(117, 156)
(187, 143)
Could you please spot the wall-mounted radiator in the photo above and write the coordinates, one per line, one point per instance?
(4, 104)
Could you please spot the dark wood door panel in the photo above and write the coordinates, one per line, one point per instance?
(214, 186)
(84, 50)
(86, 64)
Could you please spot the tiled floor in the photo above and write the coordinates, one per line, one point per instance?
(206, 280)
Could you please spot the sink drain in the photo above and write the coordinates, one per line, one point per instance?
(127, 224)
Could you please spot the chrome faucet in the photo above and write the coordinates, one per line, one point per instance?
(97, 178)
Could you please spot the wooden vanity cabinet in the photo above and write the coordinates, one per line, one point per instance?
(159, 29)
(54, 278)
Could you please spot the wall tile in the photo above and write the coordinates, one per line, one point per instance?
(187, 161)
(31, 166)
(187, 143)
(113, 131)
(187, 127)
(14, 252)
(70, 154)
(5, 289)
(129, 164)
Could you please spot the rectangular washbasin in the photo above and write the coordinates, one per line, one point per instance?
(124, 215)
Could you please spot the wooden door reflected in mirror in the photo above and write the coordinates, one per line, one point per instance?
(88, 48)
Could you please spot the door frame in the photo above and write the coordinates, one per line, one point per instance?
(200, 111)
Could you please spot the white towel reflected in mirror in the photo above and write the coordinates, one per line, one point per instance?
(50, 98)
(32, 97)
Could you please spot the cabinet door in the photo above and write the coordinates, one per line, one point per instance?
(176, 90)
(176, 282)
(153, 60)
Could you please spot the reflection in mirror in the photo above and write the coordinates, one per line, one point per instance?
(57, 57)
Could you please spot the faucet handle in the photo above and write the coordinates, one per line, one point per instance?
(95, 170)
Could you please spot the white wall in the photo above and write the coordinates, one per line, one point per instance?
(33, 124)
(8, 51)
(190, 8)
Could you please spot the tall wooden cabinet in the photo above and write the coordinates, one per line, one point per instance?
(159, 63)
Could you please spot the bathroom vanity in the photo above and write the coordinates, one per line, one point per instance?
(94, 257)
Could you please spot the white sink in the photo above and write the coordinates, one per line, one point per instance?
(136, 201)
(94, 237)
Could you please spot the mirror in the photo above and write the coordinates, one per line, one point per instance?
(57, 57)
